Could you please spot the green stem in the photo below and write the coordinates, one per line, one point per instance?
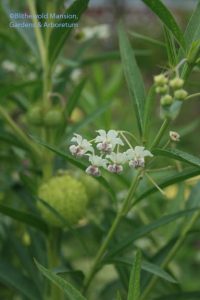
(160, 133)
(19, 133)
(53, 261)
(192, 96)
(171, 254)
(122, 212)
(38, 33)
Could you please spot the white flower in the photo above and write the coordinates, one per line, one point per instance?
(174, 136)
(100, 31)
(106, 141)
(96, 162)
(82, 147)
(117, 159)
(136, 156)
(76, 75)
(9, 66)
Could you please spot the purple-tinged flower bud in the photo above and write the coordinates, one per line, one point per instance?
(93, 170)
(115, 168)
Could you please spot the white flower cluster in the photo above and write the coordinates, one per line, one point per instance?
(110, 158)
(102, 31)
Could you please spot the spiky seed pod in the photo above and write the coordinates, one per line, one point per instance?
(67, 196)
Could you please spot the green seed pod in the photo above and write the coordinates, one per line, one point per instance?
(176, 83)
(67, 196)
(53, 118)
(35, 116)
(166, 100)
(180, 94)
(162, 89)
(160, 79)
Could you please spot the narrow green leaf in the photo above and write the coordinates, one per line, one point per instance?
(171, 47)
(166, 18)
(192, 32)
(147, 39)
(26, 33)
(181, 296)
(146, 230)
(133, 76)
(24, 217)
(74, 98)
(8, 89)
(13, 278)
(65, 286)
(189, 173)
(178, 155)
(59, 35)
(78, 164)
(134, 281)
(148, 109)
(146, 266)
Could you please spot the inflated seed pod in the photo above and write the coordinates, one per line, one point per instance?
(66, 195)
(35, 115)
(53, 118)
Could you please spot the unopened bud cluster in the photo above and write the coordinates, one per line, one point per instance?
(104, 151)
(169, 89)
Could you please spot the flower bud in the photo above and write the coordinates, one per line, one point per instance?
(160, 79)
(174, 136)
(180, 94)
(79, 35)
(67, 196)
(176, 83)
(162, 89)
(166, 100)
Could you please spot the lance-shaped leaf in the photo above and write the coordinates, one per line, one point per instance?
(146, 266)
(59, 35)
(144, 230)
(178, 155)
(166, 18)
(192, 32)
(134, 281)
(24, 217)
(66, 287)
(180, 177)
(133, 76)
(12, 277)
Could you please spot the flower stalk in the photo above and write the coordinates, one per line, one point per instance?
(122, 212)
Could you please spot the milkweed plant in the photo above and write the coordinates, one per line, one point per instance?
(93, 205)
